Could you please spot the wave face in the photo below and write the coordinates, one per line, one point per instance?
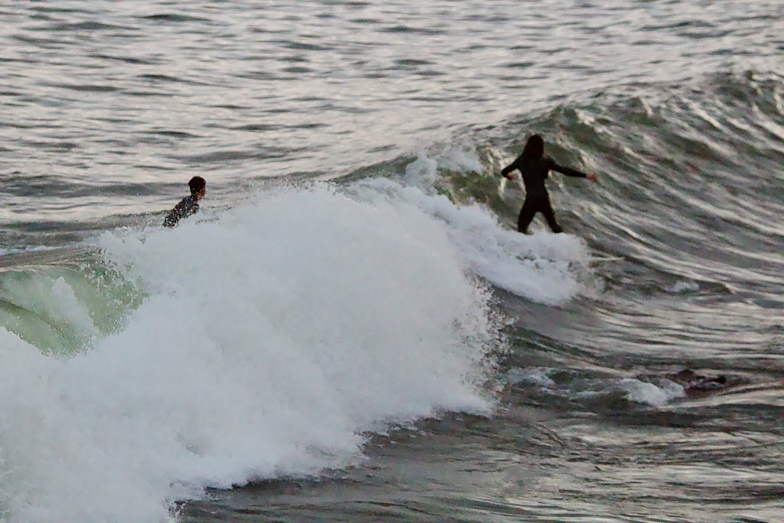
(690, 180)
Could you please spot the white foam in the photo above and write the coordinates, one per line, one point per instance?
(683, 287)
(272, 337)
(424, 171)
(539, 376)
(648, 393)
(542, 267)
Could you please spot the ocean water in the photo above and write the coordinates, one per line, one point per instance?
(351, 329)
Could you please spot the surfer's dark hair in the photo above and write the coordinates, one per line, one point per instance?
(196, 184)
(534, 147)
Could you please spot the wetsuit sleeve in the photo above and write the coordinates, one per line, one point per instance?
(511, 167)
(568, 171)
(181, 210)
(174, 216)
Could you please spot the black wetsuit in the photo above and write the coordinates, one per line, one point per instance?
(189, 205)
(535, 171)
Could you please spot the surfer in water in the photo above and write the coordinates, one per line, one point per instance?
(694, 383)
(534, 165)
(188, 205)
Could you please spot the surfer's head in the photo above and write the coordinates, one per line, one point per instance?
(534, 147)
(198, 187)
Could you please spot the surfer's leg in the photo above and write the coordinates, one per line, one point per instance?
(549, 215)
(526, 215)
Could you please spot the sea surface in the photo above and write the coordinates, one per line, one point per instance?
(351, 329)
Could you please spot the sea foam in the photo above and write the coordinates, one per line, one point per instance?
(271, 340)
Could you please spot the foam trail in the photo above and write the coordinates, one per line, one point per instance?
(271, 338)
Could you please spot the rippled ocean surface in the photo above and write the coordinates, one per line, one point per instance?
(351, 329)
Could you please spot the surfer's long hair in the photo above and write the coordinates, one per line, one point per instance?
(534, 147)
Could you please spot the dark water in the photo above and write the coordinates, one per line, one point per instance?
(350, 329)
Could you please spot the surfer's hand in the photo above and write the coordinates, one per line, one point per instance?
(508, 176)
(592, 176)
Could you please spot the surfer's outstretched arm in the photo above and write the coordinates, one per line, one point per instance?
(568, 171)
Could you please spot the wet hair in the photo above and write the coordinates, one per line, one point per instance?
(196, 184)
(534, 147)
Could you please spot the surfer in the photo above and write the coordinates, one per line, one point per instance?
(188, 205)
(534, 165)
(694, 383)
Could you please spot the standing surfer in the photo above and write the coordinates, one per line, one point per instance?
(534, 165)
